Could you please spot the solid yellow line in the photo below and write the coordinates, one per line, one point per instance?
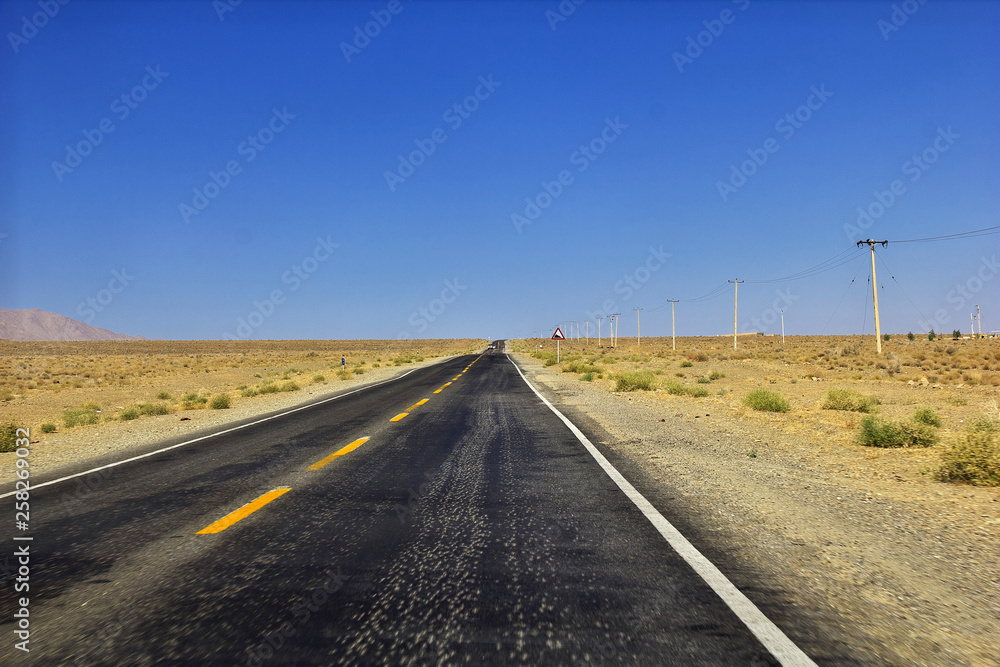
(417, 404)
(399, 416)
(340, 452)
(243, 512)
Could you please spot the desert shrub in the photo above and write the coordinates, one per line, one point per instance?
(766, 401)
(357, 370)
(587, 377)
(580, 367)
(128, 414)
(679, 389)
(635, 381)
(249, 392)
(910, 336)
(290, 386)
(975, 458)
(701, 356)
(956, 334)
(927, 417)
(193, 400)
(716, 375)
(875, 432)
(88, 413)
(48, 427)
(269, 388)
(345, 375)
(164, 396)
(319, 378)
(848, 399)
(702, 380)
(686, 364)
(8, 436)
(153, 409)
(219, 402)
(886, 337)
(931, 335)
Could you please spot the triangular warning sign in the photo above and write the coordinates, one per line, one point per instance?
(558, 335)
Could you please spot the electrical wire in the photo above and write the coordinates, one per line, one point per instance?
(841, 300)
(837, 260)
(986, 231)
(885, 266)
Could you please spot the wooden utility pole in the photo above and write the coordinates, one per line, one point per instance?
(638, 329)
(878, 331)
(972, 324)
(614, 329)
(673, 323)
(599, 331)
(782, 327)
(736, 300)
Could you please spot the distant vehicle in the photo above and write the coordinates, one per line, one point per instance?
(491, 346)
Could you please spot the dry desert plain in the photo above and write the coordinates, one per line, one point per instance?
(869, 536)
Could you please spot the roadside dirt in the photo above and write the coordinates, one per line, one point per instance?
(906, 567)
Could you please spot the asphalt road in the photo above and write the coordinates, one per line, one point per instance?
(475, 529)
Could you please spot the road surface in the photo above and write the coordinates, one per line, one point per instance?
(444, 517)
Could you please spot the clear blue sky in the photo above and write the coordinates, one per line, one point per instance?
(329, 127)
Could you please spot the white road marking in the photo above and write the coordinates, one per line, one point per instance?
(773, 639)
(212, 435)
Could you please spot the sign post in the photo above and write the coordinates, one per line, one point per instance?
(557, 336)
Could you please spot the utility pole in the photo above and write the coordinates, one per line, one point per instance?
(599, 318)
(616, 328)
(979, 317)
(782, 327)
(878, 331)
(673, 323)
(972, 324)
(638, 329)
(588, 331)
(736, 300)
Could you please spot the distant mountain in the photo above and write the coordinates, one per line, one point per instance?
(35, 324)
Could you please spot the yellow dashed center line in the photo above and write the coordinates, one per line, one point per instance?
(417, 404)
(456, 377)
(243, 512)
(399, 416)
(340, 452)
(438, 391)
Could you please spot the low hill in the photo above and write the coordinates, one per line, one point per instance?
(33, 324)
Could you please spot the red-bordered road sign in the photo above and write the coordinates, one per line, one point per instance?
(558, 335)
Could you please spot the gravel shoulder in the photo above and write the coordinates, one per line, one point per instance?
(893, 567)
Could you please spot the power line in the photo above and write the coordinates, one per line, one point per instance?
(986, 231)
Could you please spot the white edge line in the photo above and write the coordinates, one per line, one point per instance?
(212, 435)
(770, 635)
